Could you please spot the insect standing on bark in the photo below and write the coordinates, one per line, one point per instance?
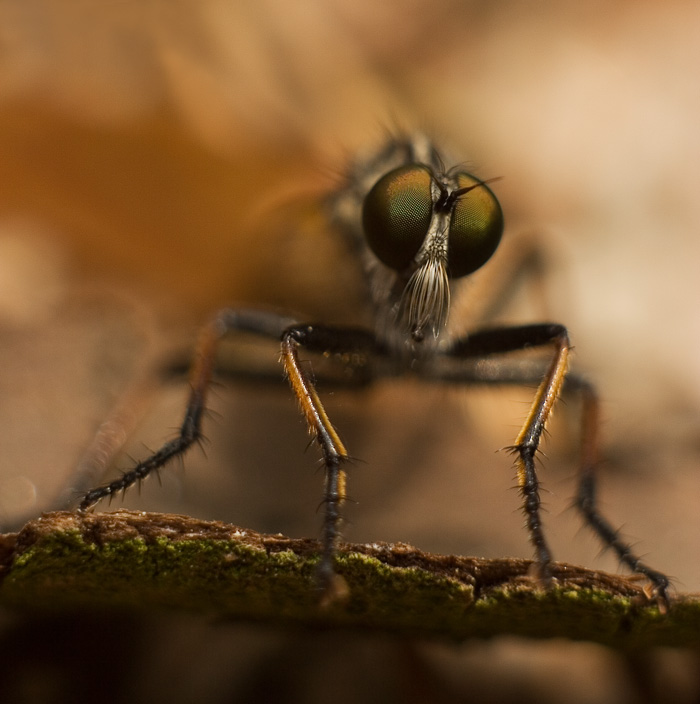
(419, 229)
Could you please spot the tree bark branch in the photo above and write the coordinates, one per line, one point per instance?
(132, 559)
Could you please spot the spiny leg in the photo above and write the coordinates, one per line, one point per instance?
(586, 496)
(190, 432)
(498, 341)
(528, 441)
(325, 339)
(502, 340)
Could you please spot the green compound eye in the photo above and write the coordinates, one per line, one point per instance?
(476, 227)
(396, 215)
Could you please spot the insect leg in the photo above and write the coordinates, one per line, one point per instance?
(324, 339)
(586, 496)
(502, 340)
(190, 432)
(497, 341)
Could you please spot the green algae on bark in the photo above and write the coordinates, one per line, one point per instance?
(143, 560)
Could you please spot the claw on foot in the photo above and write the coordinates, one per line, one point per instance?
(332, 588)
(542, 574)
(657, 594)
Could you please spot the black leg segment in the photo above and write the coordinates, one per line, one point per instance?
(225, 322)
(325, 339)
(553, 382)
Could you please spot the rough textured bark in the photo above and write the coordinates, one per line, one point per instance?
(123, 559)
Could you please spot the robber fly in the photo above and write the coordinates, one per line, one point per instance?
(419, 229)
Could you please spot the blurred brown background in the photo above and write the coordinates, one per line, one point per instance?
(141, 145)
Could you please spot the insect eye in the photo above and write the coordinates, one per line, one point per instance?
(476, 227)
(396, 215)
